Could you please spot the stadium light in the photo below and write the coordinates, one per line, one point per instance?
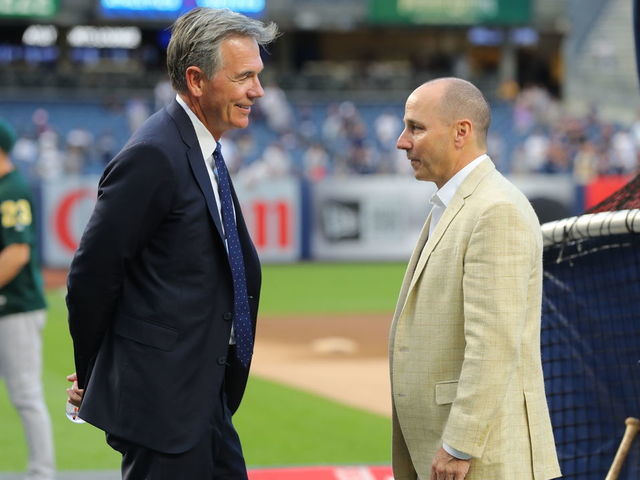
(40, 35)
(104, 37)
(247, 6)
(158, 5)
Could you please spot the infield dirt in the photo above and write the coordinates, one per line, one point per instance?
(343, 357)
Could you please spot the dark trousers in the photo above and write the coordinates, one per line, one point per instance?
(218, 456)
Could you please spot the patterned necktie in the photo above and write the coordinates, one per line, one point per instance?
(241, 316)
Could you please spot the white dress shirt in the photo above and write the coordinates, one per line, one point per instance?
(207, 146)
(440, 200)
(444, 195)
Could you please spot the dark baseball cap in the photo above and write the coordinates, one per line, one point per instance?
(7, 136)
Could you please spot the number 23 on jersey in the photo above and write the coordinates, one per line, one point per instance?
(15, 214)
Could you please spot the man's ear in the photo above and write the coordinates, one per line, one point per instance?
(195, 78)
(463, 132)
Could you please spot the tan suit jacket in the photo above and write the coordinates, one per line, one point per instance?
(465, 340)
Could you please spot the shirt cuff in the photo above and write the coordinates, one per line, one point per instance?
(455, 453)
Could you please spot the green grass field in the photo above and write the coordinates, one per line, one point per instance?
(278, 425)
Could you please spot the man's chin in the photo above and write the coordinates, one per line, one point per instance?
(420, 176)
(242, 123)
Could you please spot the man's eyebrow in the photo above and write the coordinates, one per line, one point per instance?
(244, 73)
(249, 72)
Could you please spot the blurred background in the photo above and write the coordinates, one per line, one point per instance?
(321, 182)
(318, 164)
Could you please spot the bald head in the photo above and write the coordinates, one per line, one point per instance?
(460, 99)
(446, 123)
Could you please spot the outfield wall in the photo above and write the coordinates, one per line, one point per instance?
(363, 218)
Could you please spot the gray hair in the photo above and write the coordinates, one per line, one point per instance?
(197, 35)
(462, 99)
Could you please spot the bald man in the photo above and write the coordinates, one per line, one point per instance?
(466, 375)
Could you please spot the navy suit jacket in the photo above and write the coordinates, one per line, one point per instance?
(150, 293)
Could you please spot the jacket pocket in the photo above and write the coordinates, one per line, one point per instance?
(148, 333)
(446, 392)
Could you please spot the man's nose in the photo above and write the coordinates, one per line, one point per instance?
(403, 142)
(256, 90)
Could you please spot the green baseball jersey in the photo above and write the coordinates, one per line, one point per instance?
(24, 293)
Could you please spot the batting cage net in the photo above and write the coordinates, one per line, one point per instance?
(591, 337)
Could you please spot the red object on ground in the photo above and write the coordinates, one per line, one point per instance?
(323, 473)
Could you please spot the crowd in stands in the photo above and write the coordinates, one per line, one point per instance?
(550, 140)
(531, 133)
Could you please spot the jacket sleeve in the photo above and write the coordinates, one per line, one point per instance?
(134, 195)
(497, 270)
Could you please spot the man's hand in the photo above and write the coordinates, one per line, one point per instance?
(447, 467)
(74, 393)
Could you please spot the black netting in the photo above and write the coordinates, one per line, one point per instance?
(591, 351)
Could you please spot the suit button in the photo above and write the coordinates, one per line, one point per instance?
(228, 316)
(222, 360)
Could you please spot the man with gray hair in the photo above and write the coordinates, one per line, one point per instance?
(163, 290)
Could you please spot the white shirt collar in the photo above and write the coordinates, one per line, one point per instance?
(443, 196)
(205, 138)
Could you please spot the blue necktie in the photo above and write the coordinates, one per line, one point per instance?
(241, 316)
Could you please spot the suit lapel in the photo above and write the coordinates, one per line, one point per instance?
(243, 232)
(408, 274)
(196, 162)
(450, 213)
(204, 182)
(447, 217)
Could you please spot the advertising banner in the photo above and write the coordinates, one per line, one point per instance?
(359, 218)
(450, 12)
(602, 187)
(28, 8)
(272, 211)
(67, 204)
(171, 9)
(368, 218)
(380, 217)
